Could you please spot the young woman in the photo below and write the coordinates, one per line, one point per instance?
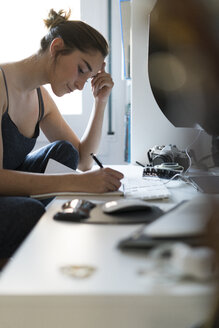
(71, 53)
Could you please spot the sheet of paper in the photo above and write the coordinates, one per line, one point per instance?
(56, 167)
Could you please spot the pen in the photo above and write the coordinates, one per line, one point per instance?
(96, 160)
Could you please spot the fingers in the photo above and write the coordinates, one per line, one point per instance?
(102, 83)
(111, 179)
(112, 184)
(114, 173)
(102, 180)
(102, 79)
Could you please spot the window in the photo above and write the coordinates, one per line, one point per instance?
(21, 29)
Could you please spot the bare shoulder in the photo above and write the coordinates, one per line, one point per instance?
(45, 93)
(49, 104)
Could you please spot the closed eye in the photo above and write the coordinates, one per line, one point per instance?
(80, 70)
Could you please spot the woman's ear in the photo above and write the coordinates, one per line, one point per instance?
(56, 45)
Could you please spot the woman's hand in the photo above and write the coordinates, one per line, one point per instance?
(101, 180)
(102, 85)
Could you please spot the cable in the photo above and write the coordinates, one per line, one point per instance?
(189, 147)
(182, 175)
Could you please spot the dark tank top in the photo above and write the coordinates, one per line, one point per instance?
(15, 145)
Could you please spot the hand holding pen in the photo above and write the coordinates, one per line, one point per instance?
(104, 180)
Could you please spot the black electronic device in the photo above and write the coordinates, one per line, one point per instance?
(145, 242)
(75, 210)
(162, 172)
(158, 155)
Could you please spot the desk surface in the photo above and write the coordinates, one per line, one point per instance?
(33, 287)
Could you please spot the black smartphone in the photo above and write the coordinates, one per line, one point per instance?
(146, 242)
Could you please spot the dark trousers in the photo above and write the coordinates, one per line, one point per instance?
(18, 215)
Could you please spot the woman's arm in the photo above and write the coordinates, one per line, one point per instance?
(102, 85)
(24, 184)
(18, 183)
(55, 127)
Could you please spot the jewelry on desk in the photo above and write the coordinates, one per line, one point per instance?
(78, 271)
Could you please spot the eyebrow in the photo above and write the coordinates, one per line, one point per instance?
(88, 65)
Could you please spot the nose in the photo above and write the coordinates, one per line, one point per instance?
(79, 84)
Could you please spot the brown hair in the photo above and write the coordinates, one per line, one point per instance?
(75, 34)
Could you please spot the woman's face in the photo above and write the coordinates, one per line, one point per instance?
(71, 72)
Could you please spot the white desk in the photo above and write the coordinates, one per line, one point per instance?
(35, 293)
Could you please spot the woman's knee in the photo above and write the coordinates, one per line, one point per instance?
(64, 152)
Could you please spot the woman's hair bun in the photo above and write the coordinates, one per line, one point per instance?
(54, 19)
